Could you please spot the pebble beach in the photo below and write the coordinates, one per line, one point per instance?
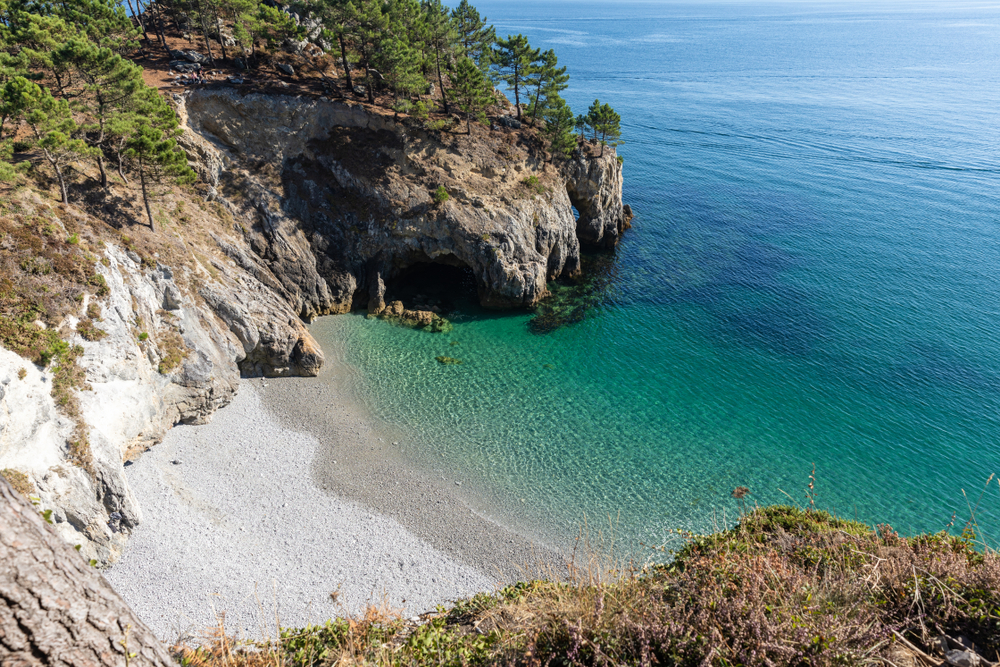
(288, 509)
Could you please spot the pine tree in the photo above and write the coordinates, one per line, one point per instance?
(559, 124)
(51, 122)
(153, 151)
(513, 58)
(605, 123)
(441, 39)
(475, 37)
(472, 90)
(107, 83)
(549, 81)
(337, 16)
(401, 67)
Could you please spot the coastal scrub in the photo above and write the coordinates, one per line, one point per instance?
(784, 586)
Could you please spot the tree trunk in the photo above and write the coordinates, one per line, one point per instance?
(444, 99)
(145, 197)
(343, 56)
(57, 610)
(138, 17)
(158, 22)
(204, 32)
(218, 26)
(517, 92)
(59, 175)
(121, 171)
(104, 174)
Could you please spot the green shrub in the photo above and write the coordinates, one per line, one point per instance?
(533, 184)
(7, 172)
(21, 146)
(22, 336)
(98, 281)
(438, 125)
(73, 239)
(89, 332)
(36, 266)
(419, 110)
(440, 195)
(403, 106)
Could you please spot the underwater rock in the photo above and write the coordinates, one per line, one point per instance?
(569, 301)
(448, 361)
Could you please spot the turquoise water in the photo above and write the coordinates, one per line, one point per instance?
(812, 278)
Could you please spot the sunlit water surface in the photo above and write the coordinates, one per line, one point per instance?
(812, 278)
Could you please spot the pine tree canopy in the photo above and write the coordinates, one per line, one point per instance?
(70, 84)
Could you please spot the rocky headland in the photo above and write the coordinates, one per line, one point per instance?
(307, 207)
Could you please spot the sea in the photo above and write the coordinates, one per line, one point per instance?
(807, 304)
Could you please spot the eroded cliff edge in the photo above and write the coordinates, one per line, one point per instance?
(344, 196)
(308, 207)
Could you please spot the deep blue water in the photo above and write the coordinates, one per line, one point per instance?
(812, 278)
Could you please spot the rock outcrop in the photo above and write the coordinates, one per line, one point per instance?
(345, 199)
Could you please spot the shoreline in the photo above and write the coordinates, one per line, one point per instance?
(355, 461)
(285, 509)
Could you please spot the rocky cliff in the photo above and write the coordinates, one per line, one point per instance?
(345, 198)
(311, 207)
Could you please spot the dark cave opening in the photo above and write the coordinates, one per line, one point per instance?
(434, 286)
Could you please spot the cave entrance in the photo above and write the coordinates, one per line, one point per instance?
(434, 285)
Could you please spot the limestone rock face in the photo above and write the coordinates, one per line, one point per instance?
(595, 188)
(136, 392)
(343, 199)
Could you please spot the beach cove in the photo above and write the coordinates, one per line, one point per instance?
(290, 495)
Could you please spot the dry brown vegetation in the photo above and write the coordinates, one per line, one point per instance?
(21, 483)
(785, 586)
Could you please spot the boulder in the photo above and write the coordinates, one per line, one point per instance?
(184, 66)
(508, 122)
(193, 56)
(296, 46)
(285, 68)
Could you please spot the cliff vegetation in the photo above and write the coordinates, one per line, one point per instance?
(785, 586)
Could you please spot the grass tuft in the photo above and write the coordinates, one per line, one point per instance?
(19, 481)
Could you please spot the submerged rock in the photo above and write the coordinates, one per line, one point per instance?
(569, 302)
(448, 361)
